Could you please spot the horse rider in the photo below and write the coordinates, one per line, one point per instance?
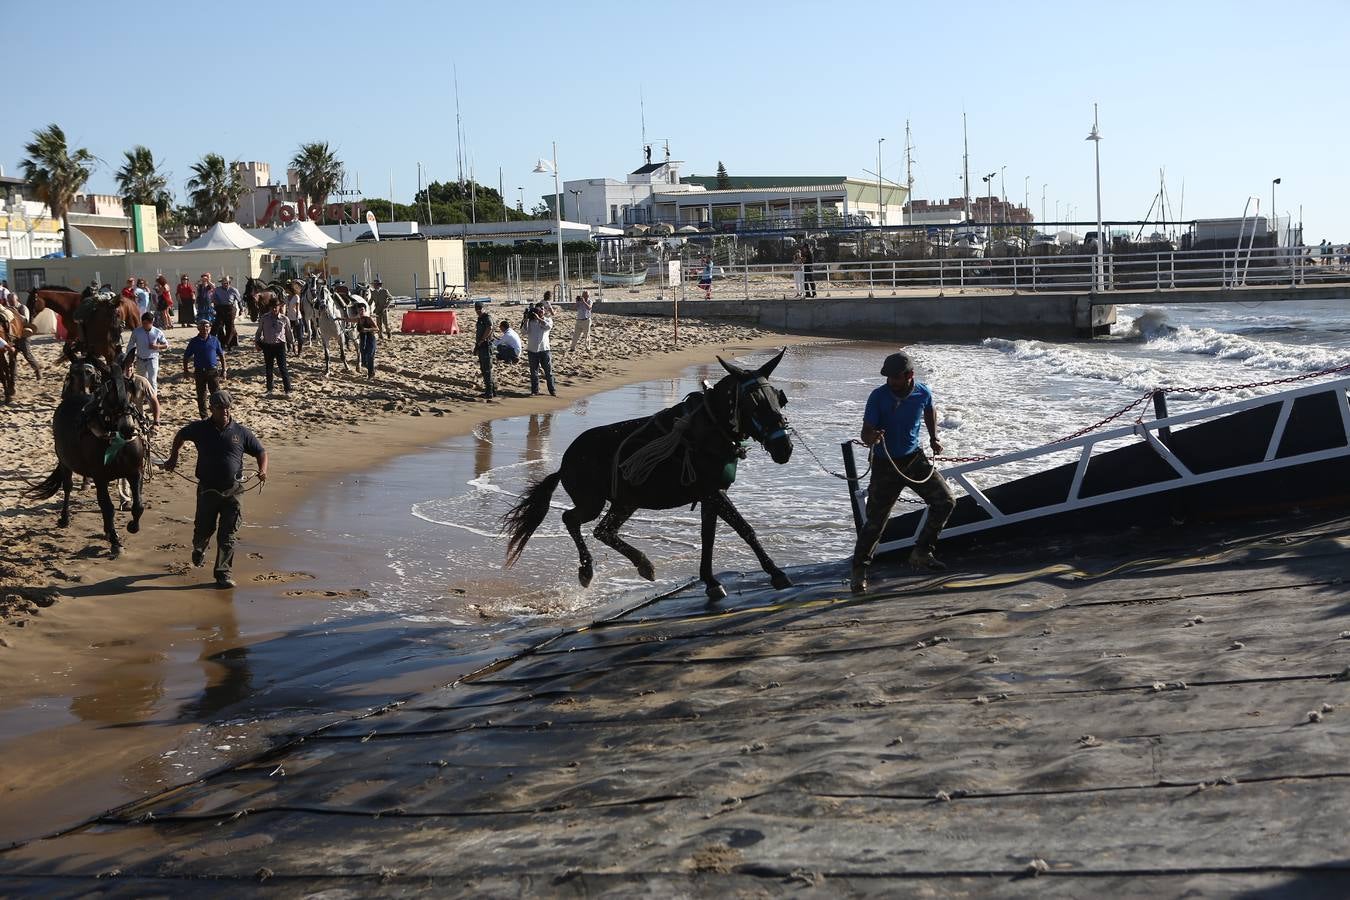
(892, 418)
(380, 301)
(221, 444)
(10, 301)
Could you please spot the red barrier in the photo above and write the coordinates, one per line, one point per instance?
(430, 321)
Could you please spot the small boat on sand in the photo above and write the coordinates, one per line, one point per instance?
(622, 279)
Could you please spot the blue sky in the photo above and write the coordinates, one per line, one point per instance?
(1224, 96)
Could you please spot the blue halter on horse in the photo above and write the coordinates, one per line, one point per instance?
(686, 454)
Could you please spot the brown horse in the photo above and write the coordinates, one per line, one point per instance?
(97, 436)
(101, 334)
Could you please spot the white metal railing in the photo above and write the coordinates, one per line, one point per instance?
(1146, 432)
(1270, 266)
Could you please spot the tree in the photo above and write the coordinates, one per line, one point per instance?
(214, 189)
(141, 182)
(723, 179)
(56, 173)
(318, 170)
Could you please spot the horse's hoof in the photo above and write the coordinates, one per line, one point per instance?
(125, 506)
(584, 575)
(115, 551)
(780, 580)
(716, 592)
(63, 522)
(646, 569)
(133, 527)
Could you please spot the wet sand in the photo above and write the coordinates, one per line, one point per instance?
(118, 672)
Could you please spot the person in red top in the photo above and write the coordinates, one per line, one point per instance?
(162, 302)
(129, 292)
(187, 299)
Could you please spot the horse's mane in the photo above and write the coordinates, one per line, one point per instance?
(56, 287)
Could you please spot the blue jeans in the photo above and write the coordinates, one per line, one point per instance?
(366, 343)
(543, 359)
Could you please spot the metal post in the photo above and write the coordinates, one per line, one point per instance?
(1160, 412)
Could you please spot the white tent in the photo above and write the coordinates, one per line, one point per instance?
(297, 238)
(223, 236)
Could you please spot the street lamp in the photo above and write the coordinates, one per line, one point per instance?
(543, 167)
(881, 210)
(1096, 137)
(576, 204)
(520, 200)
(1273, 182)
(1043, 189)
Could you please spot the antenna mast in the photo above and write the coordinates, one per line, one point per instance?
(642, 109)
(965, 144)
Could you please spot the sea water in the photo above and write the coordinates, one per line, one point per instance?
(420, 533)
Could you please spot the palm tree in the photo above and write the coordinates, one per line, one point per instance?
(141, 181)
(55, 173)
(318, 170)
(214, 189)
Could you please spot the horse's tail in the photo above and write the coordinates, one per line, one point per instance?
(50, 485)
(526, 516)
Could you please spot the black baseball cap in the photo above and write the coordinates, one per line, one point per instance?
(897, 364)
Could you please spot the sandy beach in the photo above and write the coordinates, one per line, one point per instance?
(80, 630)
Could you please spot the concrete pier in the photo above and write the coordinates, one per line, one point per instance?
(970, 314)
(918, 317)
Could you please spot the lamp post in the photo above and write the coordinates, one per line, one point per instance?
(1044, 187)
(520, 199)
(543, 167)
(1096, 137)
(881, 210)
(576, 204)
(1273, 182)
(1026, 193)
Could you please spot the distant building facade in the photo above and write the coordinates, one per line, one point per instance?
(953, 212)
(656, 193)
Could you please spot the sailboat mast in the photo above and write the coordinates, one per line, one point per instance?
(909, 174)
(459, 144)
(965, 144)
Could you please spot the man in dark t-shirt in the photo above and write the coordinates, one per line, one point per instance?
(482, 348)
(221, 444)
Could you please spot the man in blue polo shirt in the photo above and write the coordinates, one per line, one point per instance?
(894, 414)
(221, 444)
(204, 353)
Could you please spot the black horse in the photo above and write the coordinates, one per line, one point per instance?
(97, 435)
(682, 455)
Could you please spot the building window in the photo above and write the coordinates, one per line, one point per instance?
(27, 279)
(614, 212)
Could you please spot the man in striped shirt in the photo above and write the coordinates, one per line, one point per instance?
(274, 334)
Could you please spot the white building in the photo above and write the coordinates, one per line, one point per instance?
(655, 193)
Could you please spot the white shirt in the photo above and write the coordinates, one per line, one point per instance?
(145, 342)
(583, 309)
(142, 299)
(510, 339)
(536, 333)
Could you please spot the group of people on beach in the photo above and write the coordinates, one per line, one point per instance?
(503, 345)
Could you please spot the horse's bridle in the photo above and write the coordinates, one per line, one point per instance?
(757, 430)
